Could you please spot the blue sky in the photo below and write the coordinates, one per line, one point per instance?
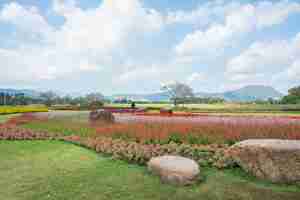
(134, 46)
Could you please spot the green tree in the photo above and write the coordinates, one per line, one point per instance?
(293, 97)
(177, 91)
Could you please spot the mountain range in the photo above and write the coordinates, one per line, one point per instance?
(244, 94)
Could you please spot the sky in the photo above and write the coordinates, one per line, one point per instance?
(135, 46)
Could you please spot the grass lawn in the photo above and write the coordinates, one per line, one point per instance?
(40, 170)
(4, 118)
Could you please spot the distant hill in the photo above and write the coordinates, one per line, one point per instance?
(244, 94)
(247, 93)
(253, 92)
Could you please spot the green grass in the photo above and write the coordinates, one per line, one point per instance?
(49, 170)
(62, 126)
(4, 118)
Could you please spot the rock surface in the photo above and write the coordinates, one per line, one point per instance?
(275, 160)
(101, 116)
(175, 170)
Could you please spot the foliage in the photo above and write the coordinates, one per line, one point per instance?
(135, 152)
(295, 91)
(177, 91)
(94, 97)
(22, 134)
(293, 97)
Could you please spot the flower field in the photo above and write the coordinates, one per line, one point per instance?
(22, 109)
(159, 129)
(203, 130)
(137, 138)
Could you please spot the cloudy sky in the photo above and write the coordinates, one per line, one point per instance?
(120, 46)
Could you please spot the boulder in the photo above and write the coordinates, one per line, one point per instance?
(175, 170)
(101, 115)
(270, 159)
(166, 111)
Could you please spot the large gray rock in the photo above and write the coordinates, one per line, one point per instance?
(101, 115)
(270, 159)
(174, 169)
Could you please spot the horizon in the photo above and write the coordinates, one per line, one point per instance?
(113, 46)
(74, 94)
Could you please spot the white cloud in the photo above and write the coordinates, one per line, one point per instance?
(196, 76)
(203, 15)
(294, 71)
(27, 20)
(122, 40)
(241, 20)
(89, 40)
(270, 60)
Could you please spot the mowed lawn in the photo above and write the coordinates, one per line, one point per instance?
(43, 170)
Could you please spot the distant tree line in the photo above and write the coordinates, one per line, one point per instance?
(50, 98)
(293, 96)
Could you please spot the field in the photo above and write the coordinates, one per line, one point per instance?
(223, 108)
(21, 109)
(159, 129)
(54, 170)
(49, 161)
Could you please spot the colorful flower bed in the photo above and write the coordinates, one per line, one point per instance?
(133, 152)
(201, 130)
(136, 140)
(13, 133)
(22, 109)
(130, 151)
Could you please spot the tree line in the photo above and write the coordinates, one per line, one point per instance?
(178, 93)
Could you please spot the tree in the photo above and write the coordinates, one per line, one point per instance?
(295, 91)
(94, 97)
(48, 97)
(177, 91)
(293, 97)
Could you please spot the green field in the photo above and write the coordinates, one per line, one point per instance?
(48, 170)
(222, 108)
(4, 118)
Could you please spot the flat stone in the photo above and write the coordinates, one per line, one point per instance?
(271, 159)
(174, 169)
